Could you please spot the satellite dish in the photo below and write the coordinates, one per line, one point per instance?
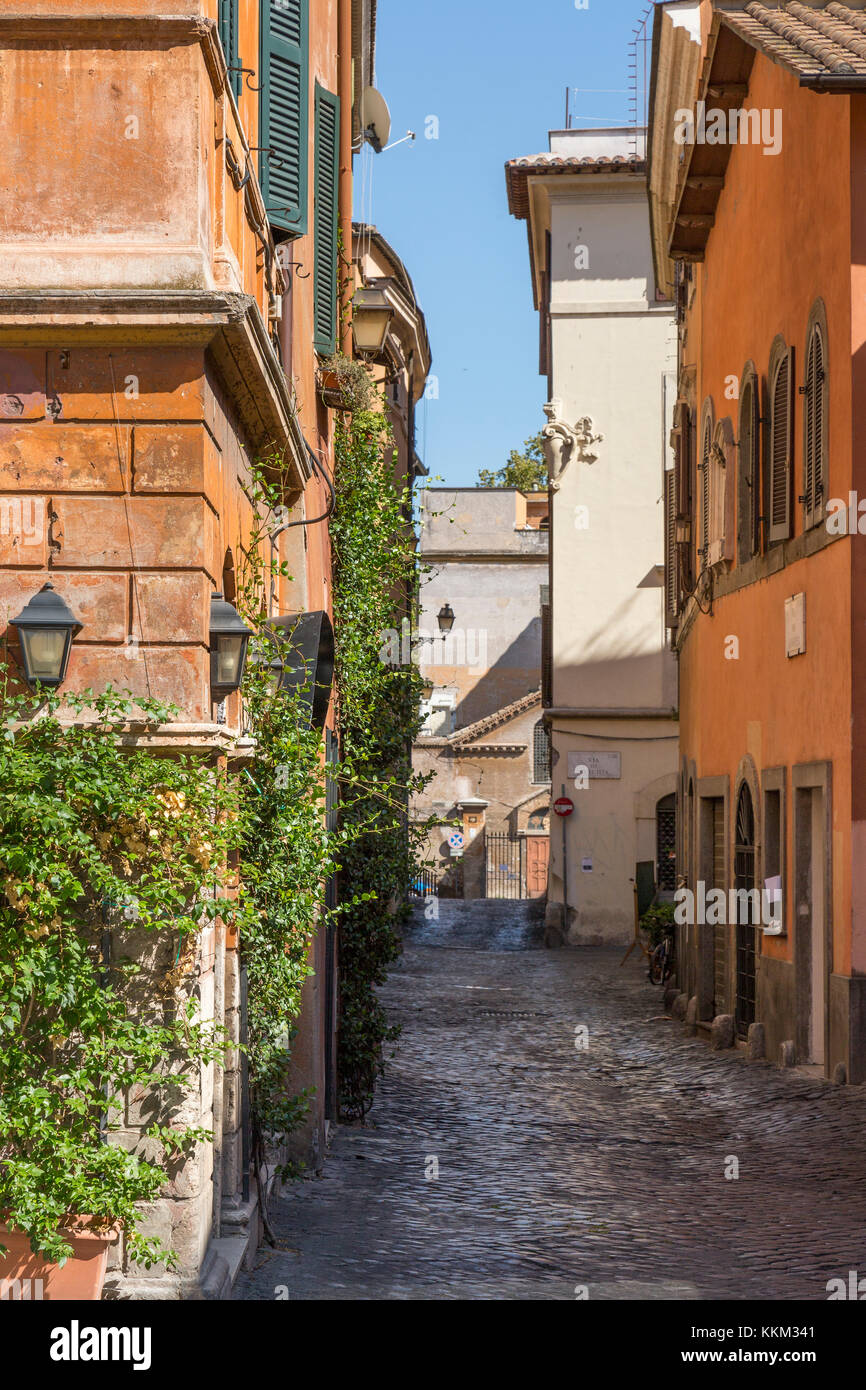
(375, 119)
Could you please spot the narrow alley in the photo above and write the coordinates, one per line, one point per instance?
(501, 1161)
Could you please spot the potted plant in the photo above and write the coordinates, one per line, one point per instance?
(345, 384)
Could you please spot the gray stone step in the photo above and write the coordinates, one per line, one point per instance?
(485, 924)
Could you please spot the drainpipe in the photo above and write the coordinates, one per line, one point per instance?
(344, 82)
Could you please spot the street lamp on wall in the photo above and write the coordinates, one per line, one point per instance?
(46, 628)
(372, 313)
(229, 639)
(445, 618)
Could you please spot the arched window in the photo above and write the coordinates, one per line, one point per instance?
(541, 770)
(666, 843)
(815, 422)
(749, 467)
(781, 459)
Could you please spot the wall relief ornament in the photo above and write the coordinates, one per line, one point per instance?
(563, 442)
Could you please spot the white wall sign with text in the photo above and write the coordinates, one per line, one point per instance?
(599, 765)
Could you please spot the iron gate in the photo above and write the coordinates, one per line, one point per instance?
(504, 865)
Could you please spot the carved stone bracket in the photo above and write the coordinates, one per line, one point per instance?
(562, 442)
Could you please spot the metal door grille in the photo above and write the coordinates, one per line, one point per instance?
(666, 844)
(505, 865)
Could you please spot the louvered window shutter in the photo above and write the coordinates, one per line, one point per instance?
(750, 473)
(326, 216)
(228, 27)
(705, 496)
(671, 567)
(820, 476)
(809, 435)
(687, 442)
(546, 656)
(754, 465)
(284, 113)
(814, 464)
(781, 447)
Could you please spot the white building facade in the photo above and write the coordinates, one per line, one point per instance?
(608, 350)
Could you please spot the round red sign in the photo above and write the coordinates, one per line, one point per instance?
(563, 806)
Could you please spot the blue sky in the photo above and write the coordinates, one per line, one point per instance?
(495, 74)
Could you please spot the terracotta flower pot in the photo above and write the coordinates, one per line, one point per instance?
(331, 390)
(79, 1280)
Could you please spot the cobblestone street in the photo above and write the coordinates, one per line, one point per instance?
(560, 1168)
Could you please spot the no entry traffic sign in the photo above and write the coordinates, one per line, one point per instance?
(563, 806)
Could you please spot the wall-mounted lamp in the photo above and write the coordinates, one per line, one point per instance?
(445, 618)
(229, 639)
(46, 628)
(303, 660)
(372, 313)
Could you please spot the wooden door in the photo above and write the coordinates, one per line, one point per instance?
(537, 860)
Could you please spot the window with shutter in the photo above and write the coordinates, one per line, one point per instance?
(672, 588)
(284, 112)
(326, 219)
(228, 30)
(814, 423)
(705, 493)
(781, 445)
(748, 469)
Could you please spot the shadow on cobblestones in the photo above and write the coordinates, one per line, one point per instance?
(500, 1162)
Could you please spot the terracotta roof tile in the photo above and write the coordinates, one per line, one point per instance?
(493, 721)
(517, 172)
(809, 41)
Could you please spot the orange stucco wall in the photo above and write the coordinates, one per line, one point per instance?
(764, 268)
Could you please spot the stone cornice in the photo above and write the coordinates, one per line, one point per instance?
(103, 30)
(229, 325)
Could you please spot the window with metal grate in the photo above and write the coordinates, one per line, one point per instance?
(541, 763)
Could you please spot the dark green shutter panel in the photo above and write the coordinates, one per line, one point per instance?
(229, 37)
(326, 216)
(284, 113)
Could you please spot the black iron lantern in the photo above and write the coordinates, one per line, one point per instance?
(229, 639)
(446, 618)
(372, 313)
(305, 646)
(46, 628)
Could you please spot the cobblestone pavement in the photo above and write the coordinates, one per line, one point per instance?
(560, 1168)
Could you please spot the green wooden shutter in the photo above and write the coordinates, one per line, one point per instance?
(228, 26)
(285, 112)
(326, 215)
